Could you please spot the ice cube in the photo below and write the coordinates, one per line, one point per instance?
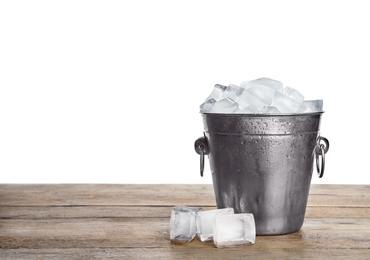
(285, 104)
(234, 230)
(205, 222)
(207, 106)
(232, 91)
(247, 84)
(263, 88)
(248, 110)
(248, 98)
(183, 226)
(216, 92)
(276, 85)
(294, 94)
(311, 106)
(225, 105)
(270, 110)
(264, 93)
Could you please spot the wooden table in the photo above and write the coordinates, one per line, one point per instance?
(70, 221)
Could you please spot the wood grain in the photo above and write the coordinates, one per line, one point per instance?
(155, 195)
(183, 253)
(246, 252)
(44, 212)
(154, 232)
(108, 221)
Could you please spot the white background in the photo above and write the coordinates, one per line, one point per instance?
(109, 91)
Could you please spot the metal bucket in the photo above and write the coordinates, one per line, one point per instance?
(262, 164)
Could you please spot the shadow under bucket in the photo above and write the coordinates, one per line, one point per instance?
(262, 164)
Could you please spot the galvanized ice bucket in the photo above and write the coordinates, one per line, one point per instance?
(262, 164)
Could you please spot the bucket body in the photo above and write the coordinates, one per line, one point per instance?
(262, 164)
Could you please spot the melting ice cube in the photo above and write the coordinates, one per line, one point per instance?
(216, 92)
(248, 110)
(234, 230)
(294, 94)
(183, 224)
(270, 110)
(274, 84)
(311, 106)
(207, 106)
(263, 92)
(247, 98)
(232, 91)
(285, 104)
(225, 105)
(205, 222)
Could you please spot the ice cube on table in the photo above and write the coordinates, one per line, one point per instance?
(294, 94)
(270, 110)
(251, 109)
(247, 98)
(207, 106)
(216, 92)
(205, 222)
(183, 225)
(276, 85)
(285, 104)
(225, 105)
(234, 230)
(311, 106)
(232, 91)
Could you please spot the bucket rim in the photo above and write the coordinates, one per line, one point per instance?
(263, 115)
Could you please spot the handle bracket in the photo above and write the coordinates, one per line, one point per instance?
(201, 147)
(321, 150)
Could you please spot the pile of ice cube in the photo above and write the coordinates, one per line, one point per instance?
(222, 225)
(259, 96)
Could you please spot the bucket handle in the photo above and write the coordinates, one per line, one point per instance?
(201, 147)
(321, 149)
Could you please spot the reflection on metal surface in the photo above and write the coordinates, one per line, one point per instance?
(263, 165)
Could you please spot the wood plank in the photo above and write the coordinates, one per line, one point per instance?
(336, 189)
(183, 253)
(58, 212)
(132, 222)
(154, 232)
(105, 194)
(155, 195)
(338, 200)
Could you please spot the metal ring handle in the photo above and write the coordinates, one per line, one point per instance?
(201, 160)
(322, 151)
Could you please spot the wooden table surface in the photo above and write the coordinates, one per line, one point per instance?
(104, 221)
